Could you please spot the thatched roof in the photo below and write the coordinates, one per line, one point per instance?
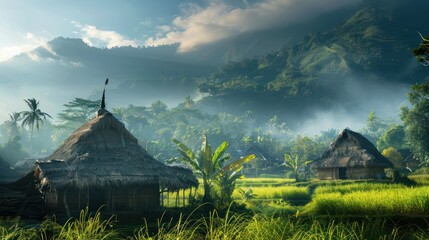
(260, 154)
(21, 198)
(351, 149)
(103, 153)
(6, 173)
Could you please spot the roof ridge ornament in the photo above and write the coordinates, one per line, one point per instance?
(103, 98)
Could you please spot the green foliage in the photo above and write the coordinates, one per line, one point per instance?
(422, 51)
(306, 148)
(212, 166)
(12, 151)
(393, 137)
(158, 107)
(247, 194)
(359, 44)
(188, 102)
(394, 156)
(375, 127)
(325, 138)
(294, 164)
(76, 113)
(416, 121)
(12, 125)
(33, 117)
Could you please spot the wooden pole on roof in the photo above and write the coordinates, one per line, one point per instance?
(103, 98)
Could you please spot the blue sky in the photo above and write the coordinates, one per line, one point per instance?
(24, 25)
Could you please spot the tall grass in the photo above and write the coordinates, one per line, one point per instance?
(9, 233)
(231, 225)
(88, 227)
(261, 227)
(84, 228)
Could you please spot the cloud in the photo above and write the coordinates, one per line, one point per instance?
(103, 38)
(220, 20)
(28, 43)
(147, 22)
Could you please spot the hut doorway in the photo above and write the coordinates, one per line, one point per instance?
(97, 198)
(342, 173)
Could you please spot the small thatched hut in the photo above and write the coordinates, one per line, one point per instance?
(351, 156)
(102, 164)
(263, 163)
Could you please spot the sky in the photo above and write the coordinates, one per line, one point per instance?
(26, 25)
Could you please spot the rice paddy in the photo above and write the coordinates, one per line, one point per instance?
(278, 209)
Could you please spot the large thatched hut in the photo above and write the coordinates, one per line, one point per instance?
(351, 156)
(102, 164)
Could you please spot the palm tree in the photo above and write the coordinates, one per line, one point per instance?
(33, 117)
(188, 102)
(246, 139)
(13, 124)
(211, 165)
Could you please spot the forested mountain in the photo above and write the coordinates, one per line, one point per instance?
(367, 57)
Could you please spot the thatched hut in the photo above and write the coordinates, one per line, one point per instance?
(263, 163)
(102, 164)
(351, 156)
(6, 173)
(21, 198)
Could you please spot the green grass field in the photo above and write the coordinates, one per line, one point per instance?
(279, 209)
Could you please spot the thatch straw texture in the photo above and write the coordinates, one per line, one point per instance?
(103, 153)
(6, 173)
(351, 149)
(21, 198)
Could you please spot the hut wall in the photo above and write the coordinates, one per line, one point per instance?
(352, 173)
(365, 173)
(145, 197)
(130, 198)
(51, 202)
(327, 173)
(72, 199)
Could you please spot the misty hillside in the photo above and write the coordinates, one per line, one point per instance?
(356, 60)
(367, 59)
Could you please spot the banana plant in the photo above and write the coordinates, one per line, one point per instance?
(210, 165)
(294, 164)
(226, 184)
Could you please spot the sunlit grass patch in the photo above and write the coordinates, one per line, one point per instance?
(357, 187)
(261, 182)
(291, 194)
(422, 180)
(393, 201)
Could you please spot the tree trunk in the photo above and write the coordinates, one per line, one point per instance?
(207, 196)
